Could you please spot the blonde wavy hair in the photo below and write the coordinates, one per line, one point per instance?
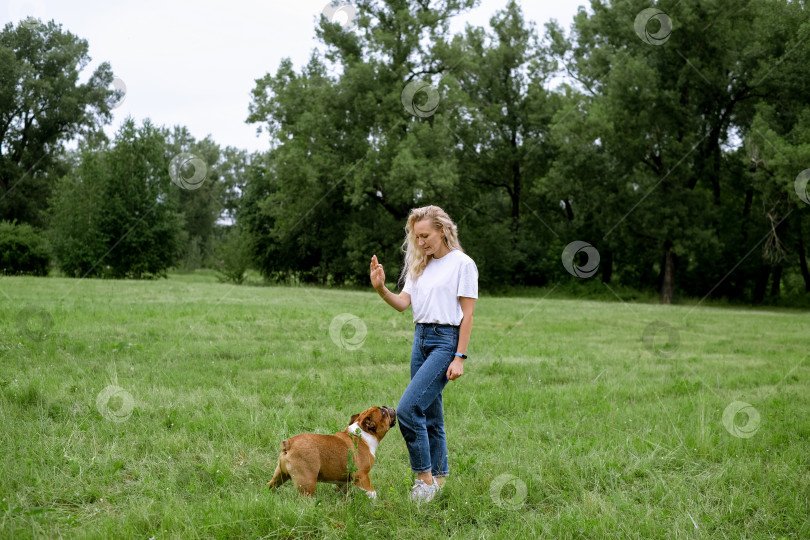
(415, 258)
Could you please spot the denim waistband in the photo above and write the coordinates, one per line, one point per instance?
(437, 324)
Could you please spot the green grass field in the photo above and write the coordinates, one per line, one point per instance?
(155, 409)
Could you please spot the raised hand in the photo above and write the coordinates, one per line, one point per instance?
(377, 274)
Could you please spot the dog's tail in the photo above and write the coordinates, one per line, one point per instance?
(281, 474)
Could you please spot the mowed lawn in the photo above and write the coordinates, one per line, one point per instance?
(156, 408)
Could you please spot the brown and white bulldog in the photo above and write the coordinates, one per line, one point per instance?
(310, 458)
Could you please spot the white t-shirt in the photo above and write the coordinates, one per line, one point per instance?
(434, 294)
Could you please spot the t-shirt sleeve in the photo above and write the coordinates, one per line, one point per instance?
(408, 285)
(468, 280)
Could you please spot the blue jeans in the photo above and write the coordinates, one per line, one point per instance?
(419, 412)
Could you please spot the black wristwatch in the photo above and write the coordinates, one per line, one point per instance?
(463, 356)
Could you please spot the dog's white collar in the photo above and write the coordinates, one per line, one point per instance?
(370, 439)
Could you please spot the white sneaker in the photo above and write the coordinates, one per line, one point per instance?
(422, 492)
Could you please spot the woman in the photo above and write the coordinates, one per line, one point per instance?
(441, 283)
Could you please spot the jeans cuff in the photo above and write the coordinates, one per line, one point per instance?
(426, 469)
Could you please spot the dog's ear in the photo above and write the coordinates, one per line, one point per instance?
(354, 417)
(369, 425)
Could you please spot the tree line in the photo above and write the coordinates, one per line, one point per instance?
(672, 139)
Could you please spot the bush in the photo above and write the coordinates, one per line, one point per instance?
(233, 255)
(23, 250)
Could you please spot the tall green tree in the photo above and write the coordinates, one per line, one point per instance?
(43, 106)
(669, 109)
(113, 215)
(349, 160)
(502, 119)
(296, 209)
(778, 152)
(213, 199)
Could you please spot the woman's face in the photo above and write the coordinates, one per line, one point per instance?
(428, 239)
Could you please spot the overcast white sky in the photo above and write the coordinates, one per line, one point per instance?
(194, 63)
